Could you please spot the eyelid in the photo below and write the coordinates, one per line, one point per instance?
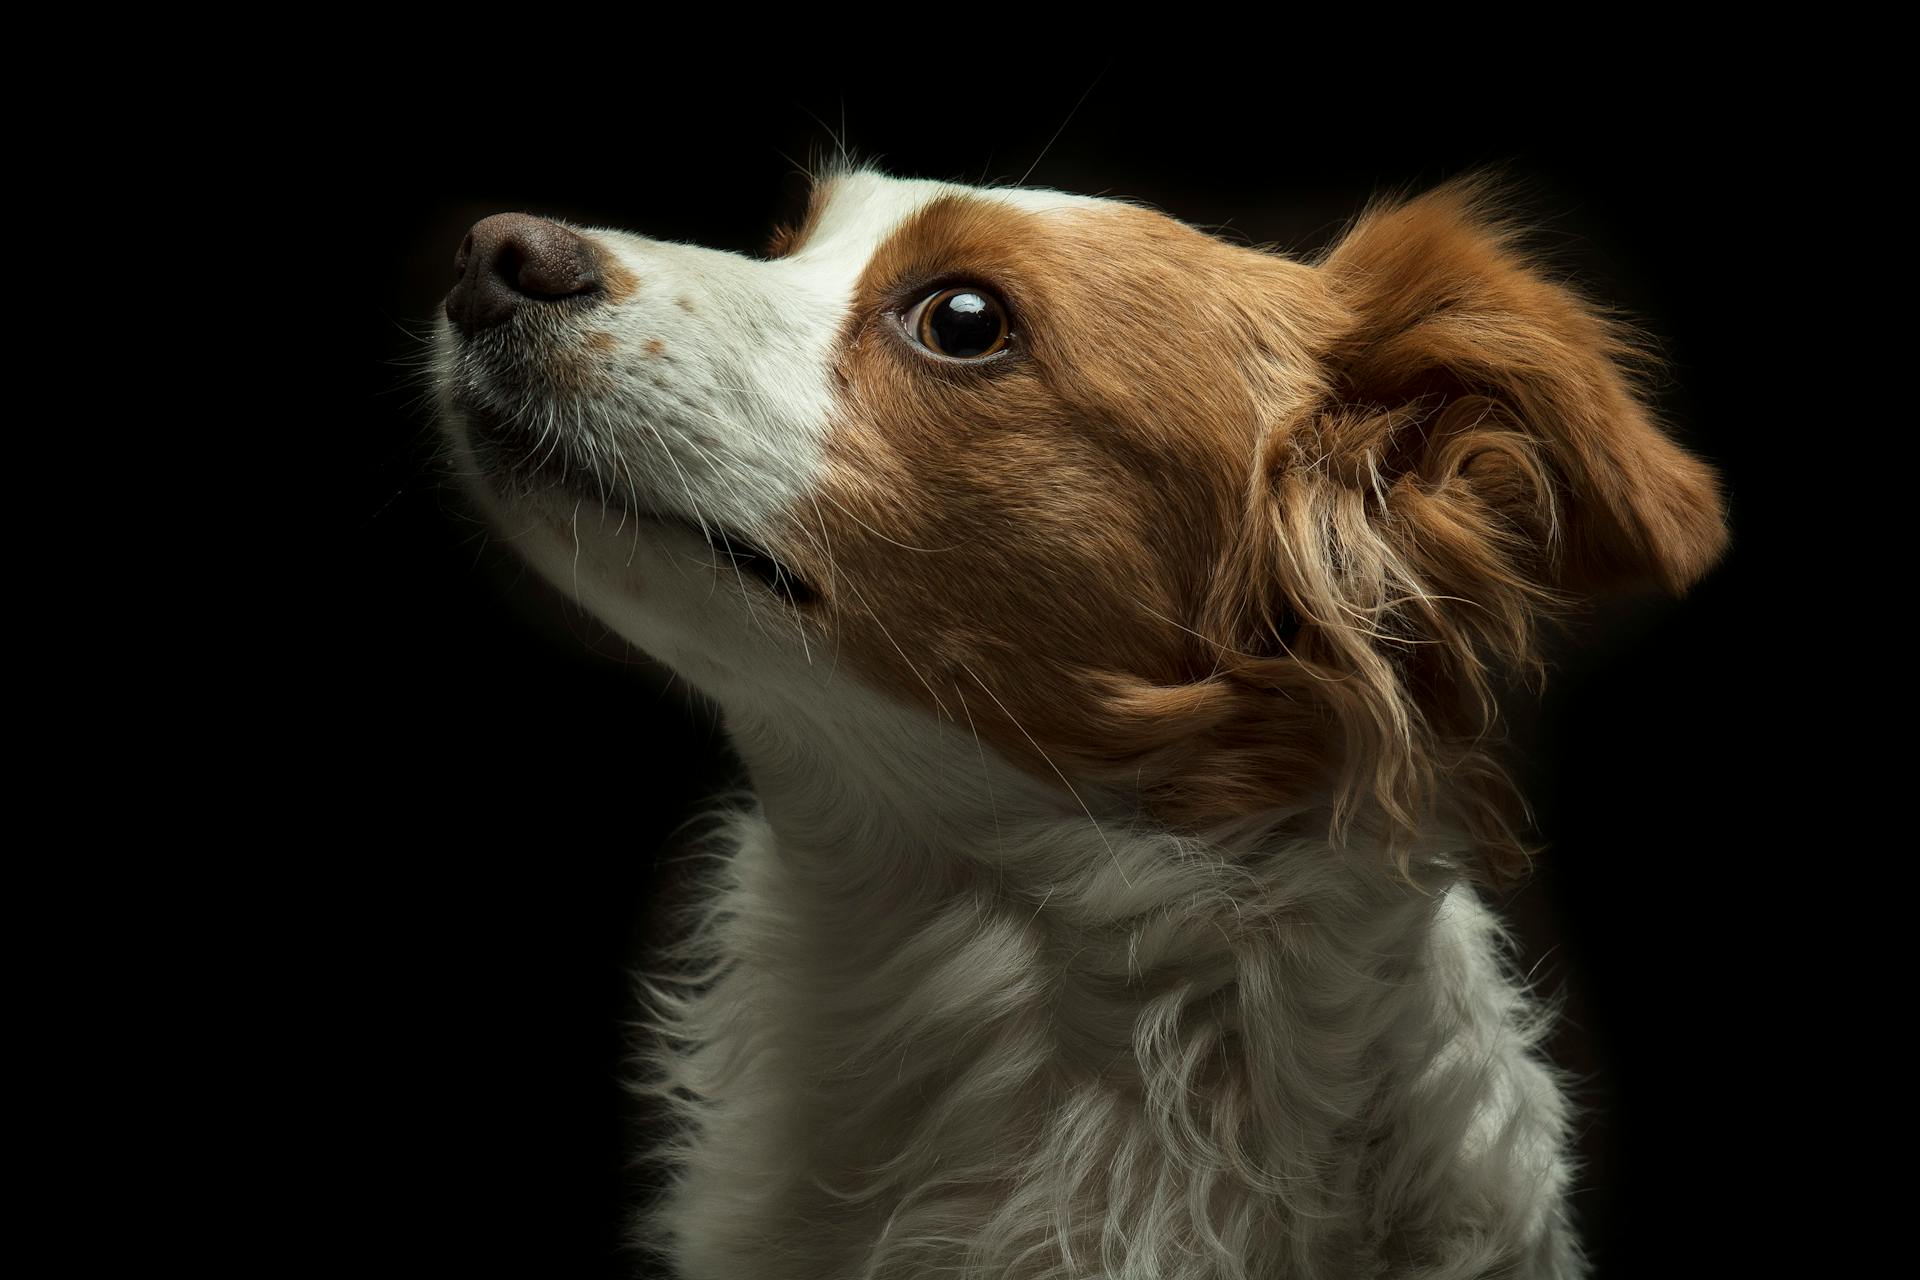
(910, 318)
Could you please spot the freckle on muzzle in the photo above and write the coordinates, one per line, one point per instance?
(514, 260)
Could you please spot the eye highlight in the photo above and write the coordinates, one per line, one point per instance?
(964, 322)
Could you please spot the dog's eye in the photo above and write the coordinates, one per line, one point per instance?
(963, 323)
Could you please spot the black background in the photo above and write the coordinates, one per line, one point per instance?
(517, 774)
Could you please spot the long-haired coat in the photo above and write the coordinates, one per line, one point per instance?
(1110, 618)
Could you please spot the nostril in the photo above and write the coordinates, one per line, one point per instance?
(546, 260)
(511, 259)
(507, 264)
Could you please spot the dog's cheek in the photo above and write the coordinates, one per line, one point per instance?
(997, 582)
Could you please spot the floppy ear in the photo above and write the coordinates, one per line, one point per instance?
(1468, 371)
(1470, 455)
(1458, 449)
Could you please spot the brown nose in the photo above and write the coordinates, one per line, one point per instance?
(511, 260)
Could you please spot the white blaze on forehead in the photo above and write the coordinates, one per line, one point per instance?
(864, 208)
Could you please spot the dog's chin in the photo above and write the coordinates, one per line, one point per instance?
(520, 463)
(521, 466)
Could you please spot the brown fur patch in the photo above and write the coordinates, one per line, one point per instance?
(788, 238)
(619, 282)
(581, 370)
(655, 347)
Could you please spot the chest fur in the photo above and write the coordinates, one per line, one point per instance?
(1215, 1066)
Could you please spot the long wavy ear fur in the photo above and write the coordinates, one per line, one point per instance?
(1479, 457)
(1464, 357)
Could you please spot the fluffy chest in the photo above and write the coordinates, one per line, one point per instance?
(1079, 1077)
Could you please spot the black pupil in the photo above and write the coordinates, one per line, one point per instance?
(964, 325)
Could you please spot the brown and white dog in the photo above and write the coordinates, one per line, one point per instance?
(1109, 617)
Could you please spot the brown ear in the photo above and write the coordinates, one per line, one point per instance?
(1467, 369)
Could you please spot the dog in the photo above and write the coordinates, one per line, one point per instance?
(1110, 618)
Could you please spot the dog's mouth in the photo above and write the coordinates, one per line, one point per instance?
(748, 559)
(524, 463)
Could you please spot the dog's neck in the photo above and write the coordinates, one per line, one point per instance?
(898, 797)
(879, 832)
(951, 992)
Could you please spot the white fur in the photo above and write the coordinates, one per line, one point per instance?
(982, 1034)
(941, 1018)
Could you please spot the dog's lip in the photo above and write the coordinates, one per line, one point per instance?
(735, 550)
(744, 556)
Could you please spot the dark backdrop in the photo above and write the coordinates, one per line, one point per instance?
(517, 775)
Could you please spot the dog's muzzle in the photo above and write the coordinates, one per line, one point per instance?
(514, 260)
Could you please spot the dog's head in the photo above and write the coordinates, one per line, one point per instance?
(1223, 531)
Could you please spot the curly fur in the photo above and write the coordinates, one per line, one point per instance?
(1120, 1053)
